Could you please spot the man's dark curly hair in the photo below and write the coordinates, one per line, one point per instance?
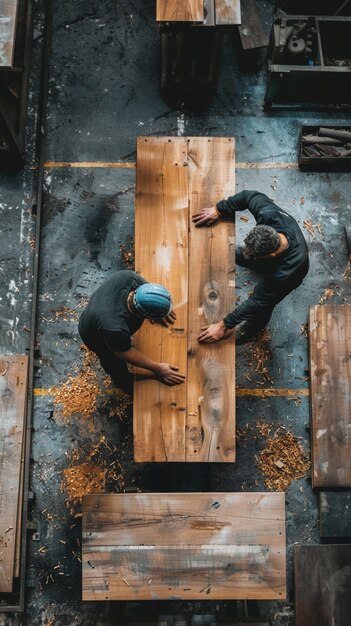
(261, 241)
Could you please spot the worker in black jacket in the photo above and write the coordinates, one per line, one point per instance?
(275, 248)
(115, 311)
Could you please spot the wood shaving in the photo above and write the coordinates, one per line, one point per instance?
(263, 428)
(328, 293)
(312, 228)
(78, 395)
(304, 330)
(261, 354)
(282, 461)
(128, 252)
(80, 480)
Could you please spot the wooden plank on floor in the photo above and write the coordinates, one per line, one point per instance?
(179, 10)
(184, 546)
(161, 256)
(330, 367)
(211, 368)
(335, 514)
(322, 585)
(251, 29)
(13, 396)
(227, 12)
(8, 19)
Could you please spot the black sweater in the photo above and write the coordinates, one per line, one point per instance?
(281, 274)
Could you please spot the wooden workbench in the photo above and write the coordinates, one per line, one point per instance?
(206, 12)
(176, 177)
(164, 546)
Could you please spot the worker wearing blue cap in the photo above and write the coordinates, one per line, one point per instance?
(115, 311)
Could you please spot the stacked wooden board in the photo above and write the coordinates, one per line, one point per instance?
(13, 398)
(330, 366)
(176, 177)
(184, 546)
(208, 12)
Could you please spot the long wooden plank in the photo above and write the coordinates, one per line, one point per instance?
(335, 514)
(161, 256)
(192, 519)
(13, 389)
(322, 585)
(211, 368)
(228, 12)
(251, 29)
(244, 558)
(8, 19)
(179, 10)
(330, 366)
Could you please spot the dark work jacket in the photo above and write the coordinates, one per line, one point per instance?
(281, 274)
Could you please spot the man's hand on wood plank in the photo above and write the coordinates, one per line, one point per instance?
(212, 333)
(206, 217)
(168, 374)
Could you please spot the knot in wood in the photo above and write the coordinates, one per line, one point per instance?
(212, 295)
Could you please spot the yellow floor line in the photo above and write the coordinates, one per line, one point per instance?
(131, 166)
(284, 393)
(92, 164)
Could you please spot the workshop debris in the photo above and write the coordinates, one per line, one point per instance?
(328, 293)
(128, 252)
(263, 428)
(78, 395)
(80, 480)
(282, 461)
(261, 354)
(312, 228)
(98, 468)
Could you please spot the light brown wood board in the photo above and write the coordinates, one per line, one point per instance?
(13, 396)
(179, 10)
(330, 372)
(8, 19)
(251, 30)
(210, 380)
(186, 546)
(175, 178)
(161, 256)
(227, 12)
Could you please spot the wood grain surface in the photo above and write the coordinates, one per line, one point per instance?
(195, 421)
(227, 12)
(322, 585)
(179, 10)
(186, 546)
(211, 385)
(8, 19)
(161, 256)
(13, 390)
(330, 367)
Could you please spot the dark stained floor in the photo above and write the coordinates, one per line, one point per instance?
(104, 91)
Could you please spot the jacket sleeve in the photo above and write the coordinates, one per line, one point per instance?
(254, 201)
(266, 295)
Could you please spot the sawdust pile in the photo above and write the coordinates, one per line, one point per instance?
(117, 405)
(78, 395)
(261, 355)
(98, 467)
(282, 461)
(128, 252)
(80, 480)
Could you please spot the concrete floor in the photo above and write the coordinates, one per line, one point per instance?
(103, 92)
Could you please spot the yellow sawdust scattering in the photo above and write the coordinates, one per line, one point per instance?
(78, 395)
(80, 480)
(282, 461)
